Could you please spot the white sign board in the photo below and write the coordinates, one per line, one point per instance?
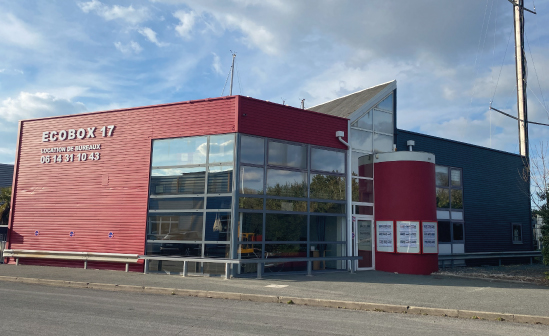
(407, 237)
(430, 238)
(385, 239)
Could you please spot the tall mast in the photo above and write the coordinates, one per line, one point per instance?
(232, 74)
(520, 62)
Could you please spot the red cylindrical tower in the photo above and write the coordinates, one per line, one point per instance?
(405, 206)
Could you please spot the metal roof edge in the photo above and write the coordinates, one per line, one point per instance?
(295, 108)
(132, 108)
(458, 142)
(373, 101)
(350, 94)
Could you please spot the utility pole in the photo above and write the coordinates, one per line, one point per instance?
(520, 62)
(520, 65)
(232, 74)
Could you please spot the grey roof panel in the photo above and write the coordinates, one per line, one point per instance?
(6, 175)
(345, 106)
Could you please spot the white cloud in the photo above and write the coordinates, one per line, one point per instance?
(216, 64)
(37, 105)
(7, 151)
(186, 23)
(151, 36)
(128, 14)
(15, 32)
(132, 47)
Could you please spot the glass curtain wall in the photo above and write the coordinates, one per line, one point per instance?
(450, 213)
(371, 133)
(291, 203)
(190, 199)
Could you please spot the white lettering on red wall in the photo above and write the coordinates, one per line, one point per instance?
(66, 154)
(81, 133)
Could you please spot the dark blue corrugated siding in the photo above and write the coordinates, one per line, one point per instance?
(6, 175)
(494, 195)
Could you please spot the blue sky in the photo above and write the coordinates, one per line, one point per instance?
(65, 57)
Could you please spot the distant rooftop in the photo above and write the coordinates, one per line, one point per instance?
(346, 105)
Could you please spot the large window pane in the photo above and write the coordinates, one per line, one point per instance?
(328, 250)
(327, 228)
(443, 198)
(250, 203)
(383, 143)
(363, 190)
(456, 177)
(252, 150)
(457, 229)
(181, 151)
(327, 187)
(441, 176)
(220, 179)
(363, 210)
(175, 181)
(186, 203)
(328, 160)
(286, 227)
(325, 207)
(218, 226)
(249, 250)
(362, 165)
(177, 249)
(283, 154)
(383, 122)
(444, 232)
(364, 122)
(221, 148)
(387, 103)
(361, 140)
(286, 205)
(286, 183)
(285, 251)
(216, 251)
(457, 199)
(175, 226)
(219, 202)
(251, 180)
(251, 226)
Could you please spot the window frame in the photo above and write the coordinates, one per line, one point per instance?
(519, 225)
(205, 195)
(262, 245)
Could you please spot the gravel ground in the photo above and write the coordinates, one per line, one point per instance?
(536, 273)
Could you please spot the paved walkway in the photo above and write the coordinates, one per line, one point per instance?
(368, 286)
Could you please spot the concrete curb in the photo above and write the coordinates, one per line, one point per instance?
(366, 306)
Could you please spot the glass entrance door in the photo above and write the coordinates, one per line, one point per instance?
(364, 245)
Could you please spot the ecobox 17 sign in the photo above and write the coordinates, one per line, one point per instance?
(67, 153)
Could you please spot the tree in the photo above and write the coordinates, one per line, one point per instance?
(537, 173)
(5, 205)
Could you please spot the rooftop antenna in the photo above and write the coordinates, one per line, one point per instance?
(520, 62)
(303, 103)
(283, 101)
(232, 72)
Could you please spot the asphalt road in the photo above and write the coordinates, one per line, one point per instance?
(43, 310)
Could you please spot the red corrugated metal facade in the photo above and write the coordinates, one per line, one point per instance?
(257, 117)
(94, 198)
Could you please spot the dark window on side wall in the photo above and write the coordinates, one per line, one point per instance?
(516, 233)
(457, 230)
(444, 232)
